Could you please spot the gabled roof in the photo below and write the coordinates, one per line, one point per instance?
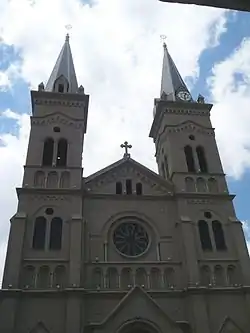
(64, 67)
(171, 81)
(129, 161)
(134, 294)
(227, 326)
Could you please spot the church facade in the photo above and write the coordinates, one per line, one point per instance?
(124, 249)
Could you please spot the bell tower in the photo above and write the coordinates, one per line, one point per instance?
(184, 136)
(44, 248)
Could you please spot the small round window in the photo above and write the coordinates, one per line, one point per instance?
(131, 239)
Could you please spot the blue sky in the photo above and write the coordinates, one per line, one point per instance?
(121, 70)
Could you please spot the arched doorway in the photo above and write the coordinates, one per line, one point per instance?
(138, 326)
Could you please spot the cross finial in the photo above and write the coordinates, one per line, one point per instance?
(163, 38)
(68, 27)
(126, 146)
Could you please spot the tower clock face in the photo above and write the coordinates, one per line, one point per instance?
(184, 95)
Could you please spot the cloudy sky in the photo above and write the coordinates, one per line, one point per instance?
(118, 57)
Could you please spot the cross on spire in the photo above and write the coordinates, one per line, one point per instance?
(126, 146)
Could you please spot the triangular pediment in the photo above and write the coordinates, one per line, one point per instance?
(56, 118)
(229, 326)
(190, 127)
(104, 181)
(138, 306)
(39, 328)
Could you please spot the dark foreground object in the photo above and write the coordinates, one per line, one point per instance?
(243, 5)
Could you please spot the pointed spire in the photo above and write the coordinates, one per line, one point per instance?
(173, 87)
(63, 76)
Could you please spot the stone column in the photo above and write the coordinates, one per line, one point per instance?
(8, 309)
(189, 250)
(73, 313)
(200, 315)
(13, 262)
(75, 251)
(241, 247)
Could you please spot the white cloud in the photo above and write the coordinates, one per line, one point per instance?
(118, 59)
(230, 89)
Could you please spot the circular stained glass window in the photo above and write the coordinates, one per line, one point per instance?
(131, 239)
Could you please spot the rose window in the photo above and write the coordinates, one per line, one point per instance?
(130, 239)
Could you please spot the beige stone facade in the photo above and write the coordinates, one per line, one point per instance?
(125, 249)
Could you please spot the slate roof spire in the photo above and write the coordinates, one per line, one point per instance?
(173, 87)
(63, 77)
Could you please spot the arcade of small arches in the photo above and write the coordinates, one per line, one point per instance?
(111, 278)
(52, 179)
(43, 277)
(201, 184)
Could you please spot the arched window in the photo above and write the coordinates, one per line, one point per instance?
(118, 188)
(43, 278)
(129, 186)
(39, 233)
(204, 235)
(219, 236)
(205, 275)
(62, 148)
(48, 150)
(219, 276)
(201, 185)
(190, 185)
(231, 275)
(39, 179)
(141, 277)
(55, 241)
(139, 188)
(52, 180)
(65, 180)
(169, 277)
(112, 278)
(61, 85)
(202, 159)
(126, 278)
(28, 277)
(59, 278)
(212, 185)
(155, 278)
(189, 158)
(97, 278)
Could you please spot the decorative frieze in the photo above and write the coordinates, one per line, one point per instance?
(50, 198)
(56, 120)
(59, 102)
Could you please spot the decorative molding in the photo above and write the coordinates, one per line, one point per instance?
(190, 127)
(188, 112)
(56, 120)
(201, 201)
(50, 198)
(112, 177)
(55, 102)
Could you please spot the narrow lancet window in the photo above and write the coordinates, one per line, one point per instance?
(202, 159)
(189, 158)
(62, 148)
(39, 233)
(204, 236)
(139, 188)
(48, 150)
(118, 188)
(129, 186)
(56, 234)
(219, 236)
